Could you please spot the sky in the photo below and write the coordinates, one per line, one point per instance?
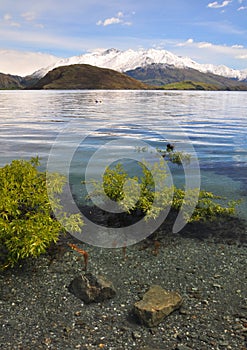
(34, 34)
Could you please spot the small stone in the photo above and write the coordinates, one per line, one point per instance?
(224, 344)
(92, 288)
(182, 347)
(184, 311)
(78, 313)
(155, 305)
(136, 335)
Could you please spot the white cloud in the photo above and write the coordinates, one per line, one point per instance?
(28, 16)
(109, 21)
(113, 20)
(186, 43)
(236, 46)
(241, 8)
(216, 5)
(204, 45)
(15, 24)
(211, 46)
(242, 57)
(7, 18)
(24, 63)
(190, 42)
(24, 18)
(208, 52)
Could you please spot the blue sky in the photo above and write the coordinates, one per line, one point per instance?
(33, 32)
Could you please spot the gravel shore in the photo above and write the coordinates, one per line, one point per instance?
(205, 264)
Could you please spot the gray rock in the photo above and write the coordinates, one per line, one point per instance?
(156, 304)
(92, 288)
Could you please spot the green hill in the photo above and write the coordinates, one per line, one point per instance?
(84, 76)
(190, 85)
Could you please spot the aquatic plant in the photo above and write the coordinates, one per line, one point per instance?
(27, 224)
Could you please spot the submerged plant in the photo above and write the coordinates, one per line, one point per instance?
(175, 157)
(27, 224)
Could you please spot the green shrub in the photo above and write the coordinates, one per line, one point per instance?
(150, 195)
(27, 224)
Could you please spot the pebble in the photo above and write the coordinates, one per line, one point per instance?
(183, 347)
(136, 335)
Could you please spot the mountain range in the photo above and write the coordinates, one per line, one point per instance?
(123, 61)
(155, 68)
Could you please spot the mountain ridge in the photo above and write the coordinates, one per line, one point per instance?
(154, 76)
(123, 61)
(163, 74)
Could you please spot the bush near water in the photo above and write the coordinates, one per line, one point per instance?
(153, 196)
(28, 226)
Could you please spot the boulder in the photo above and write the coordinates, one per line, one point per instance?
(156, 304)
(92, 288)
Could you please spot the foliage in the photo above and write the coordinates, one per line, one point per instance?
(176, 157)
(209, 206)
(150, 194)
(27, 224)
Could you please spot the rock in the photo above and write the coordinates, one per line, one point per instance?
(155, 305)
(92, 288)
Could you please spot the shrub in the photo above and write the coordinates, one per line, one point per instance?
(27, 224)
(149, 194)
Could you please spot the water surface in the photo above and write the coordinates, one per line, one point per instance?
(213, 123)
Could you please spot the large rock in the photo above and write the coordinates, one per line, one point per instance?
(92, 288)
(156, 304)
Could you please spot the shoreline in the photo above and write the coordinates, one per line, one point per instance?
(37, 311)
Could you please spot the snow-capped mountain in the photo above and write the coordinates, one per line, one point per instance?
(123, 61)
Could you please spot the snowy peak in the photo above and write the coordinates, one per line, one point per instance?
(123, 61)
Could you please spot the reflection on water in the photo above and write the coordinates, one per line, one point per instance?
(215, 123)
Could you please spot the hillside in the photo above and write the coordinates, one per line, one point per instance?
(8, 81)
(163, 74)
(83, 76)
(15, 82)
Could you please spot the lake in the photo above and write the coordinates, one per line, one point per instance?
(71, 129)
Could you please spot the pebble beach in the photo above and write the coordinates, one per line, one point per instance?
(206, 264)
